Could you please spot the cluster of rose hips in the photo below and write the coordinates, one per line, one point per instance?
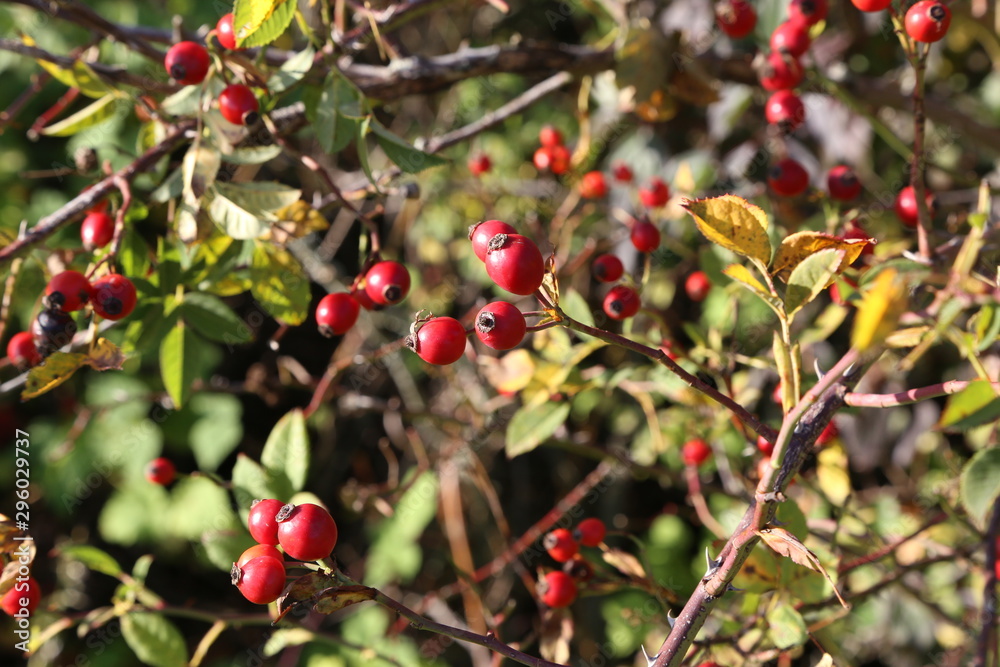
(188, 63)
(386, 283)
(926, 21)
(558, 588)
(112, 296)
(304, 532)
(552, 155)
(22, 600)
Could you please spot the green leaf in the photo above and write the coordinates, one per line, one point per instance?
(280, 284)
(262, 197)
(198, 505)
(260, 22)
(217, 430)
(395, 553)
(574, 305)
(742, 275)
(292, 71)
(80, 75)
(185, 102)
(252, 154)
(222, 547)
(980, 484)
(178, 364)
(154, 639)
(975, 405)
(286, 453)
(94, 558)
(532, 425)
(810, 277)
(787, 627)
(93, 114)
(235, 220)
(362, 146)
(213, 319)
(251, 481)
(406, 157)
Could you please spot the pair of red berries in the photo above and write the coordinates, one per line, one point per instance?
(441, 340)
(562, 544)
(188, 63)
(304, 532)
(386, 283)
(552, 155)
(24, 596)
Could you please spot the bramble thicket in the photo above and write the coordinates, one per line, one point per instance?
(424, 333)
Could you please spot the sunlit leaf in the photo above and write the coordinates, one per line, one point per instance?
(532, 425)
(406, 157)
(832, 474)
(980, 483)
(733, 223)
(58, 367)
(879, 311)
(286, 453)
(93, 114)
(154, 639)
(279, 284)
(335, 599)
(260, 22)
(800, 245)
(811, 276)
(786, 544)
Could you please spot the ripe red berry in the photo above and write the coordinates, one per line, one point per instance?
(68, 291)
(781, 71)
(736, 18)
(695, 452)
(590, 532)
(810, 12)
(260, 580)
(872, 5)
(593, 185)
(481, 233)
(439, 341)
(97, 230)
(307, 532)
(238, 104)
(21, 350)
(645, 236)
(260, 551)
(842, 183)
(359, 294)
(480, 164)
(552, 158)
(655, 193)
(621, 302)
(51, 330)
(788, 178)
(114, 296)
(560, 545)
(906, 205)
(262, 521)
(697, 286)
(785, 109)
(515, 263)
(621, 172)
(336, 313)
(22, 600)
(387, 283)
(187, 63)
(765, 446)
(792, 37)
(500, 325)
(549, 136)
(225, 32)
(927, 21)
(829, 433)
(607, 268)
(557, 589)
(161, 471)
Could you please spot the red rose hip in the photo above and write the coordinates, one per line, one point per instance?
(927, 21)
(239, 105)
(785, 109)
(22, 599)
(781, 71)
(187, 63)
(114, 296)
(645, 236)
(500, 325)
(260, 551)
(387, 283)
(621, 302)
(557, 589)
(68, 291)
(514, 263)
(736, 18)
(607, 268)
(161, 471)
(560, 545)
(481, 233)
(308, 532)
(97, 230)
(788, 178)
(260, 579)
(590, 532)
(842, 183)
(336, 313)
(439, 340)
(262, 522)
(697, 286)
(656, 193)
(695, 452)
(225, 32)
(21, 350)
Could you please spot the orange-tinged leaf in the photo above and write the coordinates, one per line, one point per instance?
(800, 245)
(105, 356)
(510, 373)
(733, 223)
(625, 563)
(879, 310)
(786, 544)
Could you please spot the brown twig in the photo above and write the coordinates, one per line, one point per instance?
(988, 614)
(909, 396)
(919, 60)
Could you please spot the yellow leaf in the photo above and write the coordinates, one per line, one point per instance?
(510, 373)
(831, 472)
(56, 369)
(300, 219)
(80, 76)
(879, 311)
(733, 223)
(786, 544)
(800, 245)
(105, 356)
